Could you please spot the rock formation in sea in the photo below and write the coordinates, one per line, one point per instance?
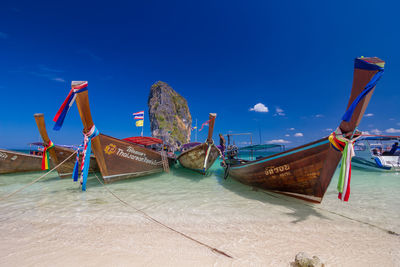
(169, 115)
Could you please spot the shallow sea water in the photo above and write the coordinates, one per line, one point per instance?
(54, 221)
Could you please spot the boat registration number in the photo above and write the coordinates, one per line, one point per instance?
(276, 170)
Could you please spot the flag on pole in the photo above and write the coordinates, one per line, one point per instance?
(139, 123)
(204, 124)
(194, 128)
(139, 115)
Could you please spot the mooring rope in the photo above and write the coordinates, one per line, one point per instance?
(36, 180)
(341, 215)
(162, 224)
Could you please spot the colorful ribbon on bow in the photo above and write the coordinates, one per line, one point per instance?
(349, 112)
(75, 172)
(45, 158)
(344, 145)
(66, 105)
(87, 150)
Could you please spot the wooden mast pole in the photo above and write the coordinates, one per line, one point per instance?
(211, 127)
(39, 118)
(82, 101)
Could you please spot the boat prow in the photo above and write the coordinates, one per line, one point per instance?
(202, 156)
(59, 154)
(117, 159)
(305, 172)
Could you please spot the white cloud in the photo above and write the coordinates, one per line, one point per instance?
(89, 53)
(291, 129)
(365, 132)
(298, 134)
(260, 107)
(392, 130)
(287, 135)
(319, 116)
(44, 68)
(3, 35)
(58, 79)
(392, 119)
(278, 141)
(279, 111)
(376, 131)
(369, 115)
(329, 129)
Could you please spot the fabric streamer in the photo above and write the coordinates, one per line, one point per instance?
(349, 112)
(45, 158)
(345, 146)
(87, 150)
(66, 105)
(204, 124)
(75, 172)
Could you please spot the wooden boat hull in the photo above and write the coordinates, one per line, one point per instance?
(194, 158)
(123, 160)
(306, 171)
(297, 172)
(13, 162)
(65, 170)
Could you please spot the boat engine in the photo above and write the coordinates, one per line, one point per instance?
(231, 151)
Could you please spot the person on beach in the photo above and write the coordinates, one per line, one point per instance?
(395, 146)
(222, 143)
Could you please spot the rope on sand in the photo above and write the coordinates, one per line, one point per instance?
(36, 180)
(145, 215)
(341, 215)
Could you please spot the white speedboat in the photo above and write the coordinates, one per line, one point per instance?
(377, 153)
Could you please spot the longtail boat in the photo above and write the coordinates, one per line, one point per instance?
(117, 159)
(13, 162)
(201, 156)
(305, 172)
(60, 153)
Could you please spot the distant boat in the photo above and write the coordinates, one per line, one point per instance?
(60, 153)
(200, 156)
(14, 161)
(305, 172)
(371, 154)
(118, 159)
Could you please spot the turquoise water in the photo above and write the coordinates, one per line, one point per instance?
(375, 196)
(198, 204)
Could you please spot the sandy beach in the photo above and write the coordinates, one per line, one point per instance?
(53, 222)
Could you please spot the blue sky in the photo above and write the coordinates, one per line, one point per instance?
(294, 57)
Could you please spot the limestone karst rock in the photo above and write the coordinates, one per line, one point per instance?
(169, 115)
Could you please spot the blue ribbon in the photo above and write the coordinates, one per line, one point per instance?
(86, 155)
(75, 172)
(59, 119)
(349, 113)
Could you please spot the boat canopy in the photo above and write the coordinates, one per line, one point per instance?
(143, 140)
(380, 138)
(36, 144)
(261, 147)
